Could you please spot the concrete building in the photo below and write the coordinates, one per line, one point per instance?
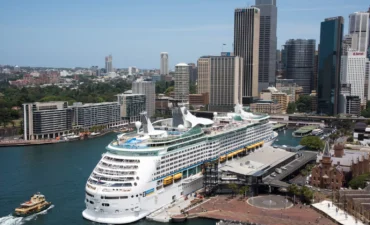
(108, 64)
(246, 45)
(268, 107)
(163, 105)
(313, 101)
(359, 31)
(222, 78)
(367, 81)
(89, 115)
(353, 67)
(299, 62)
(193, 72)
(199, 99)
(331, 34)
(146, 88)
(156, 77)
(164, 63)
(289, 87)
(272, 94)
(267, 43)
(355, 202)
(46, 120)
(131, 106)
(182, 82)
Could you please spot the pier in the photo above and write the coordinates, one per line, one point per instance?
(304, 131)
(279, 126)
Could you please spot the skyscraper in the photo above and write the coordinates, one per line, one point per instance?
(221, 77)
(359, 31)
(108, 64)
(267, 43)
(164, 63)
(146, 88)
(331, 33)
(193, 71)
(246, 45)
(353, 72)
(182, 82)
(299, 62)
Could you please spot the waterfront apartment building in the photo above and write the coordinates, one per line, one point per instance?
(299, 62)
(146, 88)
(272, 94)
(289, 87)
(222, 78)
(164, 63)
(88, 115)
(181, 88)
(331, 34)
(43, 120)
(131, 106)
(353, 66)
(267, 43)
(108, 64)
(246, 46)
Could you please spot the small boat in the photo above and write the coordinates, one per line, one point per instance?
(36, 204)
(94, 133)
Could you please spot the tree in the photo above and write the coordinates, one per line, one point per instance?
(350, 139)
(233, 187)
(366, 112)
(291, 108)
(359, 181)
(304, 103)
(312, 142)
(192, 88)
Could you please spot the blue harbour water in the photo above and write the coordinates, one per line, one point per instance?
(60, 172)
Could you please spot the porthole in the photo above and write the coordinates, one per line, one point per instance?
(132, 196)
(137, 178)
(137, 196)
(135, 184)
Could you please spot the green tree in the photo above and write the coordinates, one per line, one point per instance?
(291, 108)
(359, 181)
(304, 103)
(234, 188)
(312, 142)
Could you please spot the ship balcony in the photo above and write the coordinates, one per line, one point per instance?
(104, 177)
(126, 161)
(115, 166)
(115, 173)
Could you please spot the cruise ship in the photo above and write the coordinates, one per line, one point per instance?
(162, 162)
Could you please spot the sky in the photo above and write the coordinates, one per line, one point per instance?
(80, 33)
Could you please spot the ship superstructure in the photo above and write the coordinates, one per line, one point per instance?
(141, 173)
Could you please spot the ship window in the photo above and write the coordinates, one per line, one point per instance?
(91, 202)
(87, 193)
(137, 196)
(132, 196)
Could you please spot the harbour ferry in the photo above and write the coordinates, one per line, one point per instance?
(36, 204)
(143, 172)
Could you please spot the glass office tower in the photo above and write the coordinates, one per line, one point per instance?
(331, 34)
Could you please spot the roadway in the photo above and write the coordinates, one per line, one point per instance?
(306, 157)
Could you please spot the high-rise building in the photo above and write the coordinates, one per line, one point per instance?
(367, 81)
(164, 63)
(146, 88)
(331, 33)
(221, 77)
(359, 31)
(299, 62)
(96, 114)
(267, 43)
(131, 106)
(315, 71)
(246, 45)
(108, 64)
(182, 82)
(353, 72)
(193, 71)
(46, 120)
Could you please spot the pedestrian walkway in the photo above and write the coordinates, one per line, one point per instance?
(335, 213)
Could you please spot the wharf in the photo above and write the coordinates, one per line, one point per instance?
(279, 126)
(14, 143)
(304, 131)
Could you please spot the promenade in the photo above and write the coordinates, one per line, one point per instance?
(236, 209)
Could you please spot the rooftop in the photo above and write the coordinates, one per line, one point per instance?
(258, 161)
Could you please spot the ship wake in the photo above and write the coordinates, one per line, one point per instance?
(13, 220)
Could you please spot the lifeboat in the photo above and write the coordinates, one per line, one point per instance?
(168, 180)
(177, 176)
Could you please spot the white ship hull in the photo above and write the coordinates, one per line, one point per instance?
(140, 175)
